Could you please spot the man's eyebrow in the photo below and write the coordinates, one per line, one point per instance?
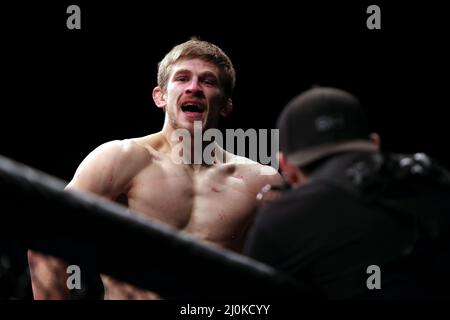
(209, 74)
(182, 71)
(203, 74)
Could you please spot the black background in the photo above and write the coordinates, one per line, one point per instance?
(67, 91)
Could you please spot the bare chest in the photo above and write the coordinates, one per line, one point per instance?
(213, 204)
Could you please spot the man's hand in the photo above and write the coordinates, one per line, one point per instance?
(270, 193)
(118, 290)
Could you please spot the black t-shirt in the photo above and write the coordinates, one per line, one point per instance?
(328, 235)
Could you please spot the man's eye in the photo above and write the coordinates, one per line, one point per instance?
(210, 81)
(181, 79)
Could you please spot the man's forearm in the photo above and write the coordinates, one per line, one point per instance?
(48, 277)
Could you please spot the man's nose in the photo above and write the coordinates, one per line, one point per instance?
(194, 87)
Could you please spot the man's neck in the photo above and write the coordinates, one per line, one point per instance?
(189, 148)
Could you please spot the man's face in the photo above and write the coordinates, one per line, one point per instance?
(194, 93)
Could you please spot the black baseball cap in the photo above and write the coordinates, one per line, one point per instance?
(320, 122)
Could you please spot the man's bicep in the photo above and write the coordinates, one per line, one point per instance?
(89, 183)
(88, 179)
(98, 172)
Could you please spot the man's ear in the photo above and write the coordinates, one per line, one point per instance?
(290, 171)
(282, 160)
(159, 98)
(227, 108)
(375, 138)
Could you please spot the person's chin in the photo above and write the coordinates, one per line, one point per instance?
(189, 122)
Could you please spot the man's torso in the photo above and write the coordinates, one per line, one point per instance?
(215, 203)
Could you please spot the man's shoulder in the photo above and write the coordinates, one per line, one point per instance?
(121, 148)
(256, 175)
(251, 166)
(151, 142)
(117, 153)
(118, 160)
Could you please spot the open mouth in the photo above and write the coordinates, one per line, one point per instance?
(192, 107)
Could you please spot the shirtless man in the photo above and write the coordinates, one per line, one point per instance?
(215, 200)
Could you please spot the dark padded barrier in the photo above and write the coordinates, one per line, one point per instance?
(84, 229)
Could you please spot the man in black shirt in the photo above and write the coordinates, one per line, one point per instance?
(357, 223)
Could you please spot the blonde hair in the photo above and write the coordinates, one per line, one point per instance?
(203, 50)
